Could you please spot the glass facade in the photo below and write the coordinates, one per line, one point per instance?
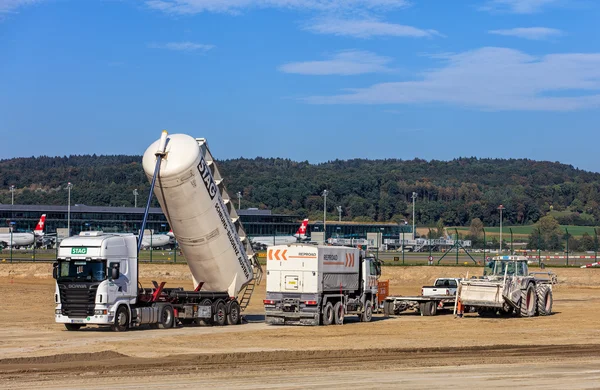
(129, 220)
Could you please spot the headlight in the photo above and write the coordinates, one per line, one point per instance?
(57, 311)
(100, 312)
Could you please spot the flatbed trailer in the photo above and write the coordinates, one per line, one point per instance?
(426, 305)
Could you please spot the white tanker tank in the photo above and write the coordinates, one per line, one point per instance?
(192, 201)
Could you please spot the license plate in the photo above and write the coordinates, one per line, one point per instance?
(77, 321)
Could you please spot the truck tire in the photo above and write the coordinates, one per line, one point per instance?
(166, 317)
(544, 300)
(121, 319)
(220, 314)
(430, 308)
(367, 315)
(72, 327)
(528, 304)
(338, 313)
(203, 321)
(387, 310)
(328, 314)
(233, 313)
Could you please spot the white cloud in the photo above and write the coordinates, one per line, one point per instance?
(534, 33)
(366, 28)
(517, 6)
(493, 78)
(198, 6)
(181, 46)
(348, 62)
(9, 6)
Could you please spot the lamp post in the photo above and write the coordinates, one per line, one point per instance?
(339, 209)
(501, 208)
(12, 195)
(414, 196)
(69, 186)
(325, 193)
(239, 196)
(135, 195)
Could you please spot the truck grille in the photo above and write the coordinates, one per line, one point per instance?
(78, 302)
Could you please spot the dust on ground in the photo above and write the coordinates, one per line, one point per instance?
(35, 350)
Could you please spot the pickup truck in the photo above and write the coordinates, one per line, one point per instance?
(442, 286)
(440, 296)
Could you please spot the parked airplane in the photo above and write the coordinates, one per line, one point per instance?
(262, 242)
(24, 239)
(156, 240)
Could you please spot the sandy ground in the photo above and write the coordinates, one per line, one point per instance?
(559, 351)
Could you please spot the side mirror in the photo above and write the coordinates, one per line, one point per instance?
(55, 270)
(114, 271)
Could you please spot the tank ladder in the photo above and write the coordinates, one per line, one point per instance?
(246, 294)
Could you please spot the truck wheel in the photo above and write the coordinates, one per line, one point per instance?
(233, 316)
(430, 309)
(367, 315)
(121, 319)
(338, 311)
(203, 321)
(220, 315)
(328, 314)
(72, 327)
(386, 309)
(528, 301)
(166, 319)
(544, 300)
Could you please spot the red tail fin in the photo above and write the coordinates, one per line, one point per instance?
(39, 228)
(302, 229)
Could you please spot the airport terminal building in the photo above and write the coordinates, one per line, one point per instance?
(129, 219)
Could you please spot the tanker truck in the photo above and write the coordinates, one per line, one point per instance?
(319, 285)
(96, 273)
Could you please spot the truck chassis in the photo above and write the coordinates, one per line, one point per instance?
(426, 305)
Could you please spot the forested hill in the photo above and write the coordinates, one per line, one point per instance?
(368, 190)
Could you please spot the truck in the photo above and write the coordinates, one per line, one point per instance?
(440, 296)
(319, 285)
(507, 287)
(97, 281)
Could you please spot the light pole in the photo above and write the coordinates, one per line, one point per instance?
(414, 196)
(239, 196)
(12, 195)
(339, 209)
(325, 193)
(500, 208)
(69, 186)
(135, 195)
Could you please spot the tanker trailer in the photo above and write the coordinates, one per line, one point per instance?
(97, 273)
(193, 198)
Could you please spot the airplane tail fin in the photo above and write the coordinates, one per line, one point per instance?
(301, 233)
(39, 228)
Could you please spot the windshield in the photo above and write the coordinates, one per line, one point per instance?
(498, 268)
(81, 270)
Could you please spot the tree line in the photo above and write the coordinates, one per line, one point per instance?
(453, 192)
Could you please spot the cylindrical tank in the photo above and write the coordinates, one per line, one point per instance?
(192, 203)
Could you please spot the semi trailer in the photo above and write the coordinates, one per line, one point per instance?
(96, 273)
(319, 285)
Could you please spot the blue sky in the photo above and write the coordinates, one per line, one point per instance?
(308, 80)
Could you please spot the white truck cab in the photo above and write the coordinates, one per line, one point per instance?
(95, 274)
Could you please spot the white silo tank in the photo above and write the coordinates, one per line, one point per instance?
(192, 203)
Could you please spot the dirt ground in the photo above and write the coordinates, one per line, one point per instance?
(559, 351)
